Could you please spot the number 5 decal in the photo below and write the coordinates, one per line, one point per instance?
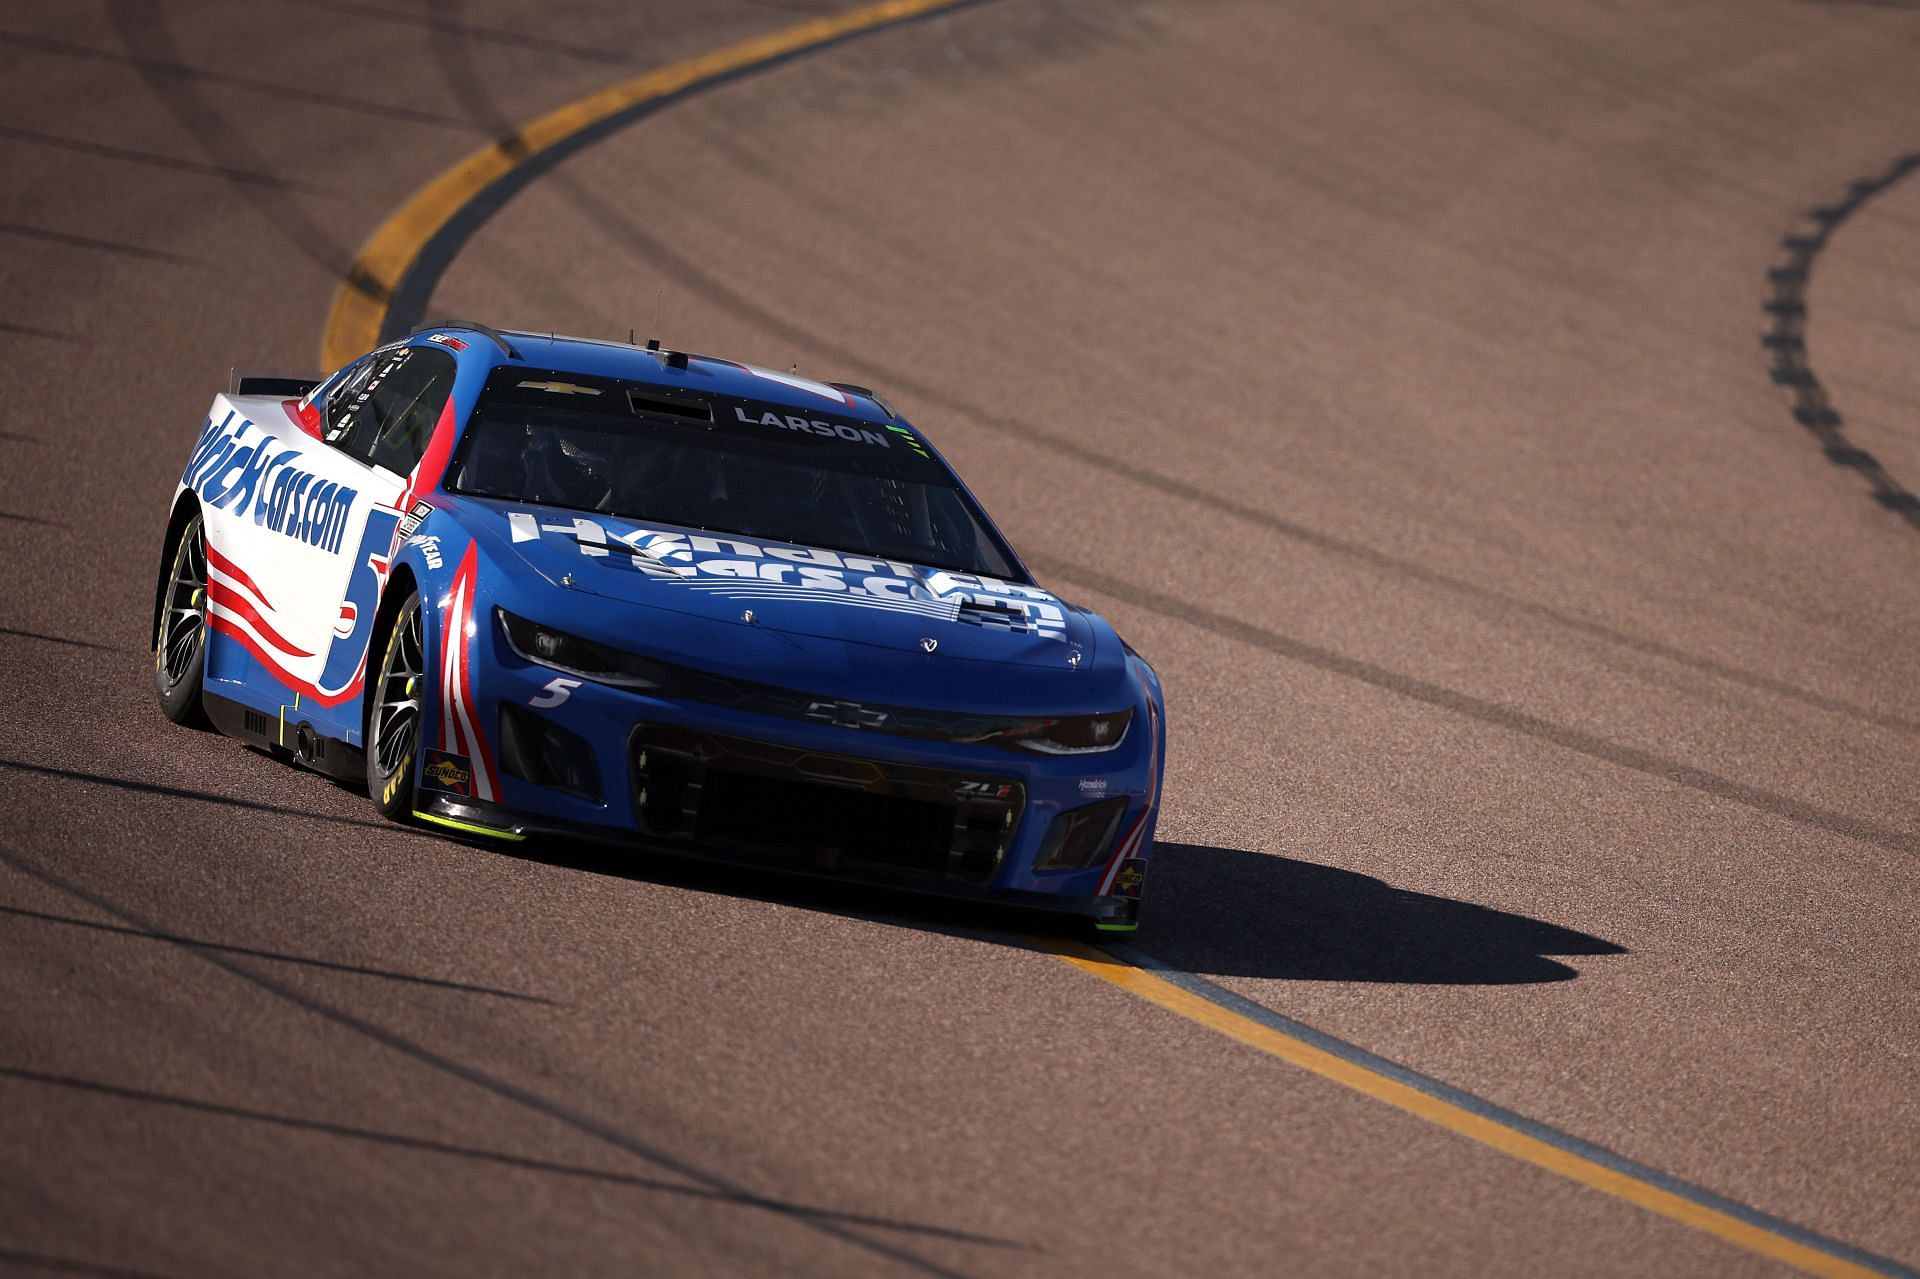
(556, 692)
(355, 624)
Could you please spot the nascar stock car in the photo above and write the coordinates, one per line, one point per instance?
(525, 585)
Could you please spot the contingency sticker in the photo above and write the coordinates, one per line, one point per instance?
(448, 772)
(412, 519)
(1131, 879)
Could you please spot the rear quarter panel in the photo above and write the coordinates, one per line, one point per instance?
(299, 537)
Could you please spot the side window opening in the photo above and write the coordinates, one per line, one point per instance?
(344, 397)
(384, 413)
(409, 426)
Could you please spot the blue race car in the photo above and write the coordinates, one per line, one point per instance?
(527, 585)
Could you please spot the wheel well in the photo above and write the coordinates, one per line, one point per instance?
(399, 586)
(185, 507)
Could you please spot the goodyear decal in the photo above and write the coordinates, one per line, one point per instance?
(429, 544)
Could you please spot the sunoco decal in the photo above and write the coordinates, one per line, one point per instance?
(447, 771)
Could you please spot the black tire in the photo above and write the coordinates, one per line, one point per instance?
(180, 649)
(393, 713)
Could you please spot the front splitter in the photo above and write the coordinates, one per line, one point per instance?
(483, 820)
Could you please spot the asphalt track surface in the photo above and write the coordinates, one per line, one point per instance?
(1497, 421)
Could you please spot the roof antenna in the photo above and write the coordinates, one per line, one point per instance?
(629, 335)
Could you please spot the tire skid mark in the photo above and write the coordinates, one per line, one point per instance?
(182, 792)
(154, 159)
(1577, 740)
(44, 638)
(439, 26)
(141, 24)
(430, 1146)
(51, 335)
(498, 1086)
(399, 265)
(1786, 338)
(173, 69)
(69, 240)
(74, 1266)
(278, 957)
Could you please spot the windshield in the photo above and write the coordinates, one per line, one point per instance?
(713, 462)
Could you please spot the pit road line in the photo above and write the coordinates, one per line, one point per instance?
(355, 325)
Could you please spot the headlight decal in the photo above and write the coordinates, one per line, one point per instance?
(544, 646)
(1070, 735)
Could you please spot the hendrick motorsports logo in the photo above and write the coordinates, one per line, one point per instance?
(737, 569)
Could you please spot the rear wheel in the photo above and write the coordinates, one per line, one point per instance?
(180, 652)
(393, 724)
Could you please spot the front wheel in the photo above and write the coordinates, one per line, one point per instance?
(180, 651)
(393, 724)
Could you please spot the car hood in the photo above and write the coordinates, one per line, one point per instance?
(794, 590)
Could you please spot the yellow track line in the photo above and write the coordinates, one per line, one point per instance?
(353, 327)
(1435, 1110)
(360, 306)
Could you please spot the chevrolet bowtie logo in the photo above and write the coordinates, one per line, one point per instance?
(560, 388)
(846, 714)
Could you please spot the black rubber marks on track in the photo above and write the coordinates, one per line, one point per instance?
(407, 298)
(1786, 339)
(855, 1230)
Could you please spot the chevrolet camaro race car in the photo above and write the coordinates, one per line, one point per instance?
(524, 585)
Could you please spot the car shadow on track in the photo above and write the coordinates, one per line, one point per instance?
(1231, 913)
(1210, 911)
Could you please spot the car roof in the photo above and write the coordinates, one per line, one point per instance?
(594, 358)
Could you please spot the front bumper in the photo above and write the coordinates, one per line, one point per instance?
(816, 799)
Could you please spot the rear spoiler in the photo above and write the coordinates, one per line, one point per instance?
(284, 384)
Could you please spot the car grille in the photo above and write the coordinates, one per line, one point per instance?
(821, 811)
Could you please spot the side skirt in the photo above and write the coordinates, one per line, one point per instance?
(290, 733)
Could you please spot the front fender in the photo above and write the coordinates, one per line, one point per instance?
(454, 579)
